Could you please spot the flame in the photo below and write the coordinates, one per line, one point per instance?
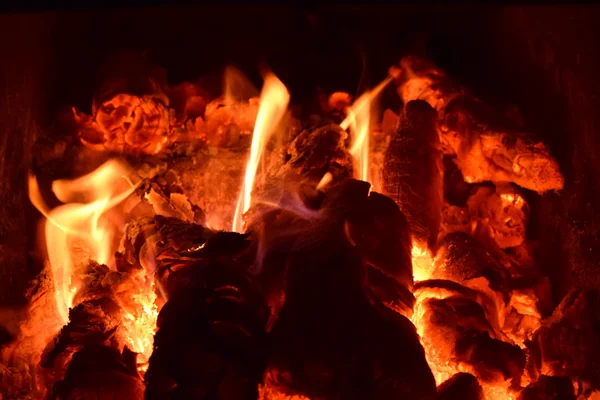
(83, 229)
(274, 99)
(236, 86)
(422, 262)
(359, 122)
(79, 231)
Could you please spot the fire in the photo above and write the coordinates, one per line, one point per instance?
(84, 229)
(274, 100)
(359, 122)
(80, 230)
(422, 262)
(441, 366)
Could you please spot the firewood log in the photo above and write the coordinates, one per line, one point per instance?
(413, 172)
(329, 341)
(462, 259)
(487, 146)
(455, 331)
(100, 372)
(210, 331)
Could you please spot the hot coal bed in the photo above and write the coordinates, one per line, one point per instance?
(320, 203)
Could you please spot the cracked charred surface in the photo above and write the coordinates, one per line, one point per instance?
(331, 341)
(487, 146)
(413, 172)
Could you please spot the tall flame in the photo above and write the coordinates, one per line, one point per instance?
(80, 230)
(274, 100)
(359, 122)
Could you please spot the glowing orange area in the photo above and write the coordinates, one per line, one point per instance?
(84, 229)
(274, 100)
(79, 231)
(422, 262)
(359, 122)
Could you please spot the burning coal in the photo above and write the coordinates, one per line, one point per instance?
(372, 255)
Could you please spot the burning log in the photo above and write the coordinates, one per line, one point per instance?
(330, 341)
(102, 373)
(311, 155)
(210, 331)
(464, 260)
(496, 216)
(96, 329)
(412, 174)
(458, 336)
(486, 145)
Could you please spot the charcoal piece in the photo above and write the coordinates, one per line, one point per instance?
(456, 190)
(382, 289)
(489, 149)
(487, 145)
(505, 212)
(450, 319)
(99, 372)
(92, 322)
(310, 155)
(164, 245)
(461, 258)
(493, 360)
(209, 343)
(413, 172)
(456, 332)
(329, 341)
(567, 343)
(549, 388)
(461, 386)
(382, 234)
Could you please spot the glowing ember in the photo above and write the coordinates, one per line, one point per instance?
(444, 367)
(359, 120)
(274, 99)
(422, 263)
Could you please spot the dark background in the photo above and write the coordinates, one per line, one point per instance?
(544, 59)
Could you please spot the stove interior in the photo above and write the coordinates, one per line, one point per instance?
(360, 202)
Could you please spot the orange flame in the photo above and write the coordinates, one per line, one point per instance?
(422, 262)
(236, 86)
(78, 231)
(274, 99)
(84, 228)
(359, 122)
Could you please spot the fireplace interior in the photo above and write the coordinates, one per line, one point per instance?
(349, 202)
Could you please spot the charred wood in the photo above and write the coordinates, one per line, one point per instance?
(330, 341)
(100, 372)
(487, 145)
(413, 172)
(461, 386)
(209, 343)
